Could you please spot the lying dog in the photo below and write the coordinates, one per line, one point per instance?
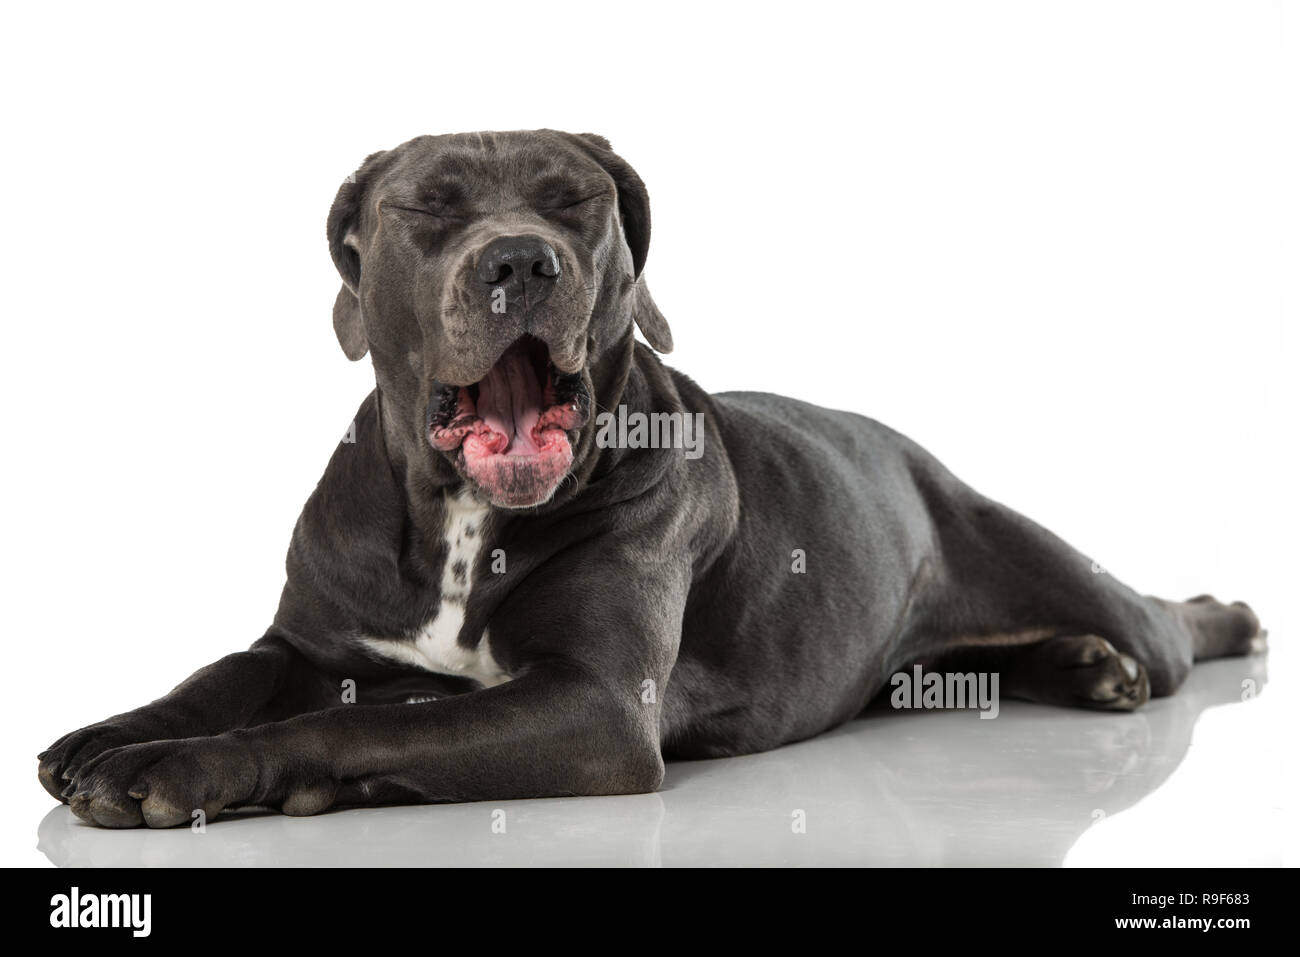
(491, 596)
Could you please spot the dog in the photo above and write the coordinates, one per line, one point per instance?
(494, 593)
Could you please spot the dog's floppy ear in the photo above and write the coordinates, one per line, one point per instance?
(340, 229)
(634, 211)
(633, 200)
(650, 320)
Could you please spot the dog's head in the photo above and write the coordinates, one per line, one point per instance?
(494, 278)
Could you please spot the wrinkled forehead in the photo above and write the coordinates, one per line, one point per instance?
(489, 169)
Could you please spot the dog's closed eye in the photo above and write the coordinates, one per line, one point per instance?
(419, 209)
(575, 203)
(556, 194)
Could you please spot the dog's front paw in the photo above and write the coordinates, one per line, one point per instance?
(60, 763)
(163, 783)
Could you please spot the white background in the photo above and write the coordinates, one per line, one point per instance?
(1050, 241)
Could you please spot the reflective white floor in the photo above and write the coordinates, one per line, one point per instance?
(1036, 786)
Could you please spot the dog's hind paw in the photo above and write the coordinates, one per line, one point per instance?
(1218, 630)
(1084, 671)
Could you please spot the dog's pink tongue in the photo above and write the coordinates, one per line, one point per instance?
(510, 402)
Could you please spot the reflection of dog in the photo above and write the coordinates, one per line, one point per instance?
(565, 614)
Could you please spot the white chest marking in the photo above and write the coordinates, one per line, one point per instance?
(434, 646)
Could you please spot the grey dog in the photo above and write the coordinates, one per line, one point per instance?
(487, 600)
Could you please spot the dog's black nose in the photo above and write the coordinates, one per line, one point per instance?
(526, 267)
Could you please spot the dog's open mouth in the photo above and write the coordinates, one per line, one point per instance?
(512, 426)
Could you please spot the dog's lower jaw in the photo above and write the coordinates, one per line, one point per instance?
(518, 481)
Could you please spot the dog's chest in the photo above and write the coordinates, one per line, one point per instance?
(435, 646)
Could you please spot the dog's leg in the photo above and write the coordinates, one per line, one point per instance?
(1087, 671)
(269, 681)
(1079, 671)
(554, 731)
(1007, 580)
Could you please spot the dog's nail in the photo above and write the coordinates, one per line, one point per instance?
(68, 791)
(138, 791)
